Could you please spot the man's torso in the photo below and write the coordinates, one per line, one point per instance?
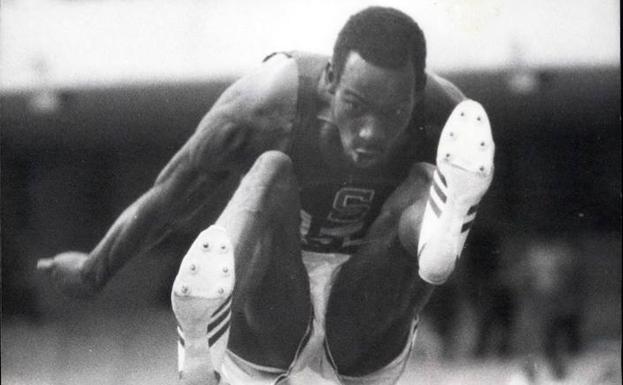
(339, 204)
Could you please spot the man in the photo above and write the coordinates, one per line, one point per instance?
(330, 245)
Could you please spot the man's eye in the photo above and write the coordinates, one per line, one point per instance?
(353, 106)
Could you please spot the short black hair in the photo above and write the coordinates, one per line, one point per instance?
(385, 37)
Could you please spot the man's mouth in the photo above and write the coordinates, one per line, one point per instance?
(367, 155)
(369, 152)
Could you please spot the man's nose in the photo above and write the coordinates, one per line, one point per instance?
(372, 131)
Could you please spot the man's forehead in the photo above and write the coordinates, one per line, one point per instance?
(354, 58)
(401, 98)
(365, 79)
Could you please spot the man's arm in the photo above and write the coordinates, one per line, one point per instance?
(252, 116)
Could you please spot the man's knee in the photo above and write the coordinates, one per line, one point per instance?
(269, 186)
(403, 211)
(273, 165)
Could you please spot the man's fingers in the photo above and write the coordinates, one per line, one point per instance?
(45, 264)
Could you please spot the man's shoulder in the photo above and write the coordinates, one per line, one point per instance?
(440, 87)
(440, 98)
(253, 115)
(261, 105)
(270, 87)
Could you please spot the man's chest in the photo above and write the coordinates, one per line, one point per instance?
(336, 213)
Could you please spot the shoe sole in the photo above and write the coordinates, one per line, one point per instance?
(463, 175)
(202, 290)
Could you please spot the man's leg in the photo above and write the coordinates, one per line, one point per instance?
(415, 242)
(266, 299)
(378, 292)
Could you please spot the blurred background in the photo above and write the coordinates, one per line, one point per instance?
(97, 95)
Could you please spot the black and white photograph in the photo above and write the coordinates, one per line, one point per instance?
(232, 192)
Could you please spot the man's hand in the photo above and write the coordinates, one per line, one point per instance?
(65, 272)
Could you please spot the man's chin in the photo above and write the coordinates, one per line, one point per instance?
(364, 162)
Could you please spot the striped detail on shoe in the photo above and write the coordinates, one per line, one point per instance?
(220, 321)
(441, 177)
(472, 209)
(227, 302)
(215, 337)
(469, 220)
(180, 336)
(434, 206)
(181, 348)
(439, 191)
(466, 226)
(437, 197)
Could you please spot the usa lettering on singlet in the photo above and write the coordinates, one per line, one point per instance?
(336, 217)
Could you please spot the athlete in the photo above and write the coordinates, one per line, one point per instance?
(337, 226)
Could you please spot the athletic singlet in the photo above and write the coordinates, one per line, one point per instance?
(337, 206)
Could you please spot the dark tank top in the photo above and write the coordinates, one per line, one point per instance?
(338, 206)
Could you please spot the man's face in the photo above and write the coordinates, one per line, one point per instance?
(372, 108)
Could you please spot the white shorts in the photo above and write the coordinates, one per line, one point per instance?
(312, 363)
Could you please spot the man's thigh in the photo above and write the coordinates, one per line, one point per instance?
(270, 305)
(371, 311)
(378, 292)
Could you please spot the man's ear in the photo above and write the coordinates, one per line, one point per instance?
(331, 78)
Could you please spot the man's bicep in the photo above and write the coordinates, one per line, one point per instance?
(255, 114)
